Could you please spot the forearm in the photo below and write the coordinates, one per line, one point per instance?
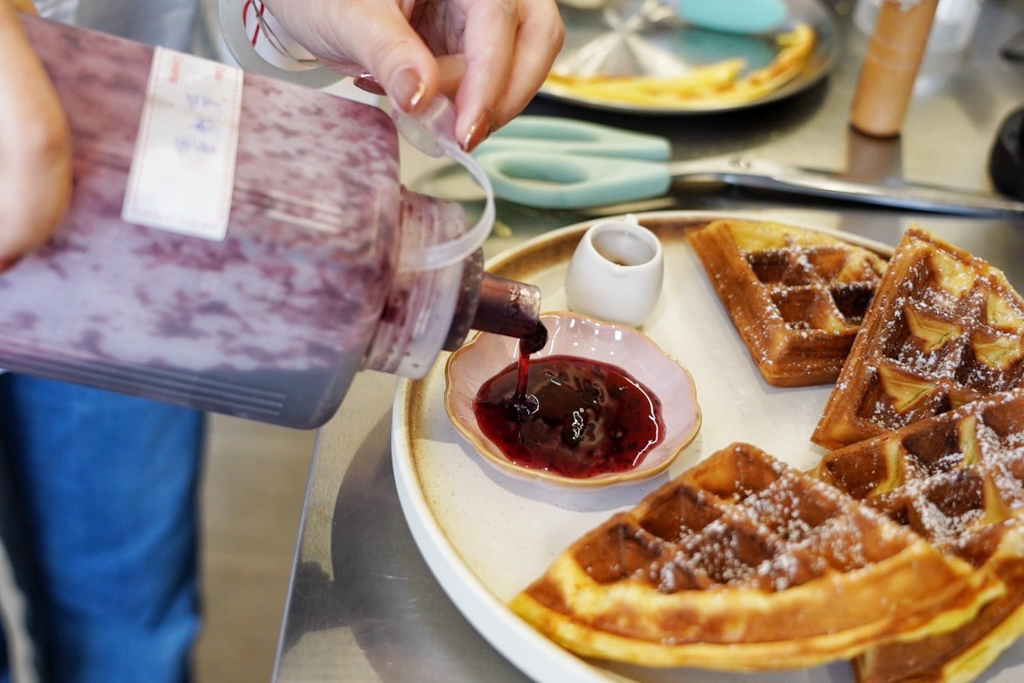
(35, 143)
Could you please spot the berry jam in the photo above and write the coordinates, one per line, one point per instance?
(573, 417)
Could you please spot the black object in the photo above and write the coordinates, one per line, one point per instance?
(1013, 49)
(1006, 162)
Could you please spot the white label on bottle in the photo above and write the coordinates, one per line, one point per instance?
(183, 168)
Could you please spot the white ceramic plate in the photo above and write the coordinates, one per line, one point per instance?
(486, 535)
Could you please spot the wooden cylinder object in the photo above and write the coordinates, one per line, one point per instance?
(891, 65)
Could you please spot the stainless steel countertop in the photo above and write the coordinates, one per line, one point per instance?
(363, 605)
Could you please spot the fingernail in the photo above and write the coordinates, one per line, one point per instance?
(8, 263)
(407, 90)
(368, 83)
(478, 131)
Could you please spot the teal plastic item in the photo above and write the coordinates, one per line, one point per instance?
(552, 134)
(555, 163)
(572, 181)
(733, 16)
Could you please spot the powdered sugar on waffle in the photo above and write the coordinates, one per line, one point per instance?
(793, 530)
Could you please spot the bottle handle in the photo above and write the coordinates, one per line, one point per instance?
(259, 45)
(433, 133)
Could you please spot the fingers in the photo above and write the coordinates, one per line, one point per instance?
(490, 56)
(374, 34)
(489, 40)
(453, 71)
(538, 42)
(35, 146)
(509, 46)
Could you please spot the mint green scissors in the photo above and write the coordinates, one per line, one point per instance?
(556, 163)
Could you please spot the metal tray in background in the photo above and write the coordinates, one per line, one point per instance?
(608, 37)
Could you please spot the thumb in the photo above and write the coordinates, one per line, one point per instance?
(400, 62)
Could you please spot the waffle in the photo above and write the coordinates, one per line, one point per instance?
(743, 563)
(945, 328)
(958, 480)
(797, 297)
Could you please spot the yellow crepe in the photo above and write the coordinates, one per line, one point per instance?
(707, 86)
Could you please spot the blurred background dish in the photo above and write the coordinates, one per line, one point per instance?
(647, 39)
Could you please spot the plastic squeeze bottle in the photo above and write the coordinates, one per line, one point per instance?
(260, 276)
(891, 65)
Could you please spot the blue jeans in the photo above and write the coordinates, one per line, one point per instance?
(100, 516)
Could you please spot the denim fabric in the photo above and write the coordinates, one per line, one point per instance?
(107, 488)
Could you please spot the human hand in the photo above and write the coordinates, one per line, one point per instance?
(35, 143)
(489, 56)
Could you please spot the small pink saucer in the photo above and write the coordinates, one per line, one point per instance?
(573, 334)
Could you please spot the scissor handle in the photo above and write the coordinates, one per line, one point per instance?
(734, 16)
(553, 134)
(569, 181)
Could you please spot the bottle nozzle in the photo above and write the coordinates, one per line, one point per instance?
(491, 303)
(510, 308)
